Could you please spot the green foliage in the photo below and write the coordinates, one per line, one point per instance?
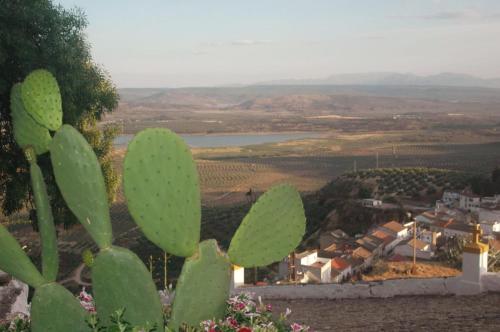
(273, 227)
(101, 141)
(14, 261)
(162, 190)
(27, 131)
(88, 258)
(38, 34)
(42, 99)
(50, 258)
(53, 308)
(120, 280)
(80, 180)
(203, 287)
(79, 177)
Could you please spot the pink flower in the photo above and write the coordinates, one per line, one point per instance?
(232, 322)
(269, 307)
(299, 328)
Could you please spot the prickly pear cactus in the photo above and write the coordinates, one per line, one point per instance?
(120, 280)
(273, 227)
(27, 131)
(203, 287)
(14, 261)
(50, 258)
(119, 277)
(53, 308)
(79, 177)
(162, 190)
(42, 99)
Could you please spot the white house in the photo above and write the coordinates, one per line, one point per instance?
(469, 201)
(429, 237)
(311, 268)
(490, 227)
(449, 228)
(423, 251)
(395, 229)
(389, 240)
(450, 198)
(341, 270)
(370, 202)
(237, 276)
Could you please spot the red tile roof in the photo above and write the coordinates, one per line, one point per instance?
(387, 238)
(394, 226)
(362, 252)
(339, 264)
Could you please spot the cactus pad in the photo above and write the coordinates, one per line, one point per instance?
(162, 190)
(273, 227)
(120, 280)
(42, 98)
(50, 258)
(27, 131)
(203, 287)
(14, 261)
(54, 308)
(79, 177)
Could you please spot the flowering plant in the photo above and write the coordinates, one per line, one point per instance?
(244, 314)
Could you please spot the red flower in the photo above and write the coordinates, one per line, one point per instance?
(232, 322)
(245, 329)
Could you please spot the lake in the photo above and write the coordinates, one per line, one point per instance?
(216, 141)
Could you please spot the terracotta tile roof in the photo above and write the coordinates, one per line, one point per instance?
(370, 242)
(394, 226)
(339, 264)
(305, 253)
(362, 253)
(318, 265)
(421, 245)
(454, 225)
(387, 238)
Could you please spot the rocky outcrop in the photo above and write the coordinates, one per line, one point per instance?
(13, 297)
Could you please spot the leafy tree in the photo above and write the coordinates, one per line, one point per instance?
(38, 34)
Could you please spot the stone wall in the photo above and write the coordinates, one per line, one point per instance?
(382, 289)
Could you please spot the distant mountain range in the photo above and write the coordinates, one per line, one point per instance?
(391, 79)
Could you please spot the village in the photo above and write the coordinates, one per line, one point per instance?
(341, 258)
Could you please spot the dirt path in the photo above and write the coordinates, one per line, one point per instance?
(415, 313)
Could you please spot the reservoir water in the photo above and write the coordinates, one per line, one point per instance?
(215, 141)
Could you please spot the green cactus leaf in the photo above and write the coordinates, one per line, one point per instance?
(42, 98)
(79, 177)
(27, 131)
(203, 287)
(120, 280)
(50, 258)
(14, 260)
(54, 308)
(162, 190)
(273, 227)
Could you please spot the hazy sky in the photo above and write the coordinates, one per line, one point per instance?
(167, 43)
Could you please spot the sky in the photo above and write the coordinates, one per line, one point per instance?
(173, 43)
